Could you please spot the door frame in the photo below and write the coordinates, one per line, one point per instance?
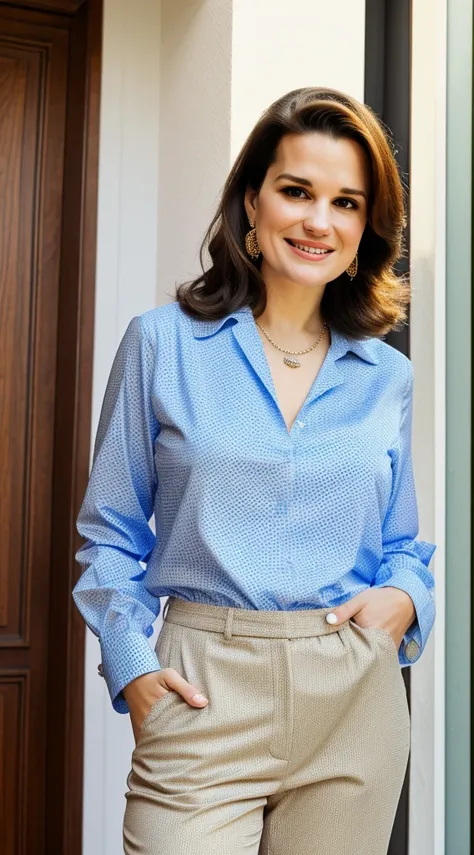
(72, 429)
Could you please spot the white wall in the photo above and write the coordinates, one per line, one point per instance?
(196, 67)
(183, 83)
(284, 45)
(125, 286)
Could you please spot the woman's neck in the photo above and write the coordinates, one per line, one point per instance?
(292, 309)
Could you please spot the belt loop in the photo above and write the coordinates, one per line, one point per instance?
(165, 608)
(228, 624)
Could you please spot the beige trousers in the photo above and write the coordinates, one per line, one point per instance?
(301, 750)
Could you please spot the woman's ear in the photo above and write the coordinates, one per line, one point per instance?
(249, 202)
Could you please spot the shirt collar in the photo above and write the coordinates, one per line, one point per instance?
(205, 329)
(366, 349)
(340, 344)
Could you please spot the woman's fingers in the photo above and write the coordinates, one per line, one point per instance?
(145, 691)
(348, 609)
(170, 679)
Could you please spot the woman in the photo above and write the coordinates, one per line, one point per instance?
(266, 426)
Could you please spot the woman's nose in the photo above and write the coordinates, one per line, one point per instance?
(318, 219)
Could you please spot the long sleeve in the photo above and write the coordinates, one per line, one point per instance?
(405, 560)
(114, 519)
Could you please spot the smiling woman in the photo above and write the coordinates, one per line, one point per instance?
(267, 428)
(313, 216)
(317, 160)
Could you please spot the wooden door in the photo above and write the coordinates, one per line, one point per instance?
(40, 77)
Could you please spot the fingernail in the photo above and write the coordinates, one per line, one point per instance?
(199, 698)
(331, 618)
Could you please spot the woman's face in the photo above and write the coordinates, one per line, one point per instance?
(311, 209)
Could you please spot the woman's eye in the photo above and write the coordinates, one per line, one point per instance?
(294, 192)
(346, 203)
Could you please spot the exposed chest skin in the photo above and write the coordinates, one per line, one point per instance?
(293, 384)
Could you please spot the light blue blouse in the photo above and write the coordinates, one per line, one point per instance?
(247, 513)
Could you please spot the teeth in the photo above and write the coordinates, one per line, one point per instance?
(312, 250)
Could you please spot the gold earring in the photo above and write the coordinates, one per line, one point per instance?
(353, 268)
(251, 242)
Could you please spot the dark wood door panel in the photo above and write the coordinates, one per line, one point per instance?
(33, 92)
(21, 89)
(13, 703)
(68, 7)
(33, 67)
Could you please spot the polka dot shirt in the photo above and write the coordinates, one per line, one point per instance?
(198, 489)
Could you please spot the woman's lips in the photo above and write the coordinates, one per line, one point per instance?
(309, 256)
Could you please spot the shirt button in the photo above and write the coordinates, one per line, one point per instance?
(411, 650)
(300, 423)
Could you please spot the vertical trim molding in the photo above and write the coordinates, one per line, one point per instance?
(428, 353)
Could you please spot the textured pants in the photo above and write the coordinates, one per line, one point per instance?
(301, 750)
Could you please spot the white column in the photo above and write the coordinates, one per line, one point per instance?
(280, 46)
(427, 336)
(125, 286)
(196, 68)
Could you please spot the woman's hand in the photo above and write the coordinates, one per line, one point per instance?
(144, 691)
(386, 608)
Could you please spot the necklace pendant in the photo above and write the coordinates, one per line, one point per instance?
(292, 363)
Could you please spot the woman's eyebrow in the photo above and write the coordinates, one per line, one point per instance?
(307, 183)
(294, 178)
(354, 192)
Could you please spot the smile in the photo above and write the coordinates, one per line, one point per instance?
(310, 252)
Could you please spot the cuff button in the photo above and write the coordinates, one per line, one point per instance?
(411, 650)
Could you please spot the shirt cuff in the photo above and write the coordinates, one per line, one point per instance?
(416, 636)
(124, 658)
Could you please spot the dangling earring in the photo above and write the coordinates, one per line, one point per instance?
(251, 242)
(353, 268)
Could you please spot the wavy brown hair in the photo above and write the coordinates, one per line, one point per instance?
(375, 301)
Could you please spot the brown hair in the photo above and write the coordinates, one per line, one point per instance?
(375, 301)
